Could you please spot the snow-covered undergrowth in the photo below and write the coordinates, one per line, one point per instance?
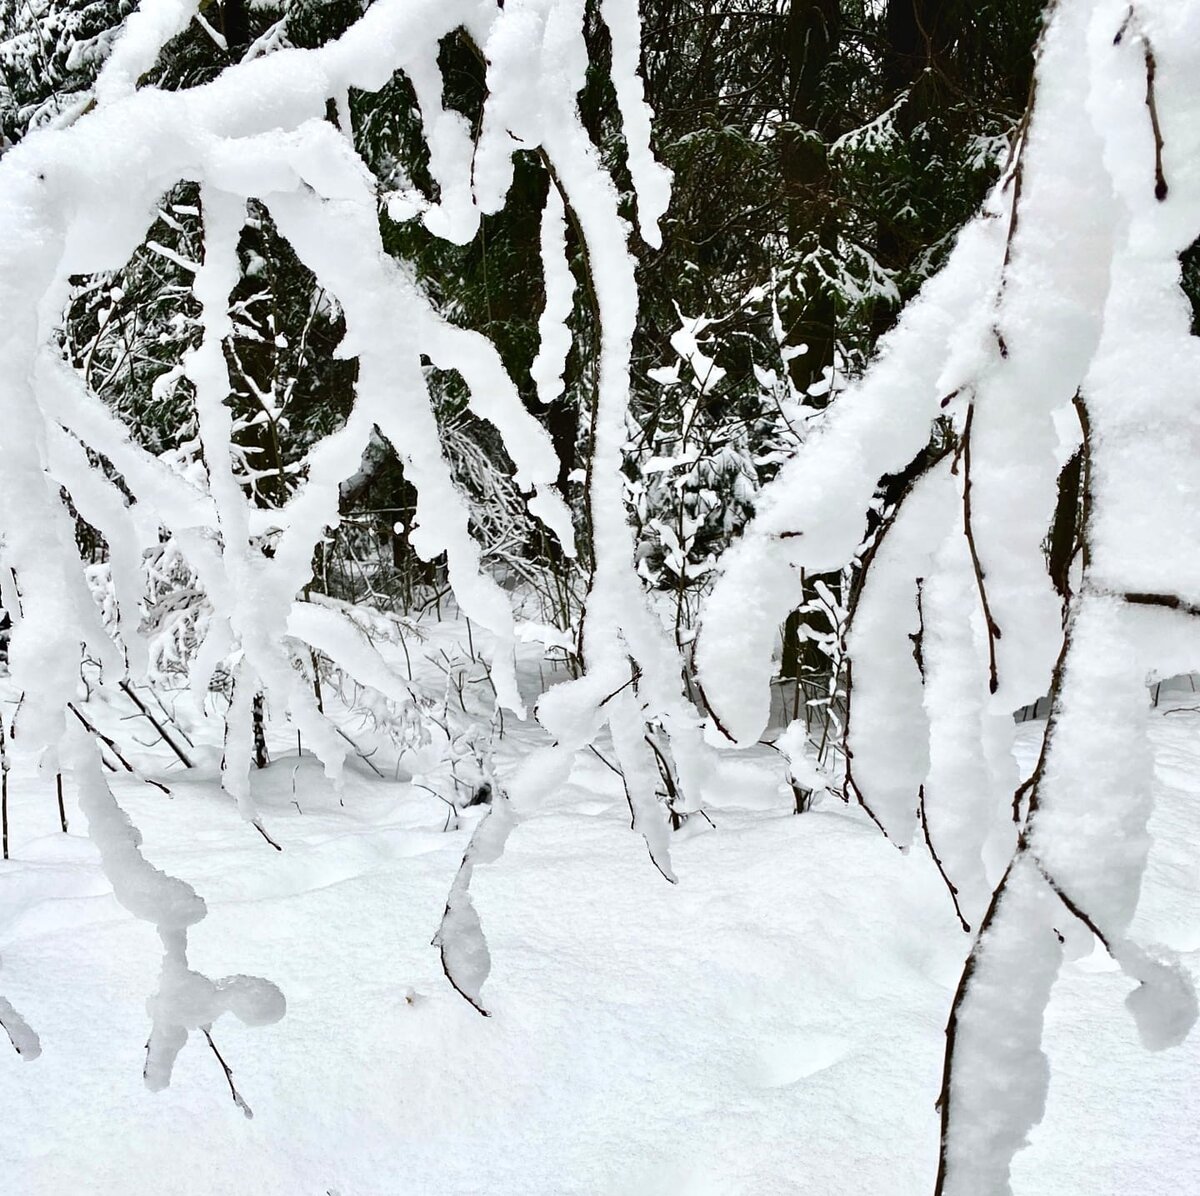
(1030, 350)
(772, 1025)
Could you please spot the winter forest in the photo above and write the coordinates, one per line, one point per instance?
(599, 598)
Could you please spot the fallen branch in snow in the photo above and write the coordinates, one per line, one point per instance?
(262, 830)
(1169, 601)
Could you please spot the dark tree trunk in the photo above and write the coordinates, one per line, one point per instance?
(235, 25)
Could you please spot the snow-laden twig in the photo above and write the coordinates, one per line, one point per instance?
(185, 1000)
(1050, 306)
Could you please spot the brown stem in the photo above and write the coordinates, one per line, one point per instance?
(1075, 909)
(851, 783)
(233, 1092)
(1023, 847)
(1160, 180)
(132, 696)
(262, 830)
(112, 747)
(993, 629)
(950, 885)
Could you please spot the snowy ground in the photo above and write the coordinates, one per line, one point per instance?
(773, 1024)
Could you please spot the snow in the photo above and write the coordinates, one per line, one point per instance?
(972, 775)
(796, 971)
(555, 338)
(24, 1039)
(771, 1024)
(145, 32)
(651, 180)
(1061, 297)
(889, 733)
(1048, 312)
(995, 1097)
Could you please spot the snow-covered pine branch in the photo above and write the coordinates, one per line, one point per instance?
(1057, 319)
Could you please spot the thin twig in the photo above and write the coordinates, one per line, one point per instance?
(237, 1096)
(1160, 179)
(366, 759)
(1022, 789)
(116, 751)
(1075, 909)
(132, 696)
(1170, 601)
(262, 830)
(603, 760)
(993, 629)
(950, 885)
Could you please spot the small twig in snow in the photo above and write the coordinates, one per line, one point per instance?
(237, 1096)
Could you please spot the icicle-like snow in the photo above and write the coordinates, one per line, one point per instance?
(972, 775)
(1058, 217)
(537, 61)
(270, 144)
(651, 180)
(555, 336)
(81, 199)
(997, 1077)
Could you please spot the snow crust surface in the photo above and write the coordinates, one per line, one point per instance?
(770, 1025)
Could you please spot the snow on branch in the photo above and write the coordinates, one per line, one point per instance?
(186, 1000)
(80, 199)
(1056, 327)
(536, 62)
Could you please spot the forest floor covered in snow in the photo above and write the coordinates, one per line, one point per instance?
(771, 1024)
